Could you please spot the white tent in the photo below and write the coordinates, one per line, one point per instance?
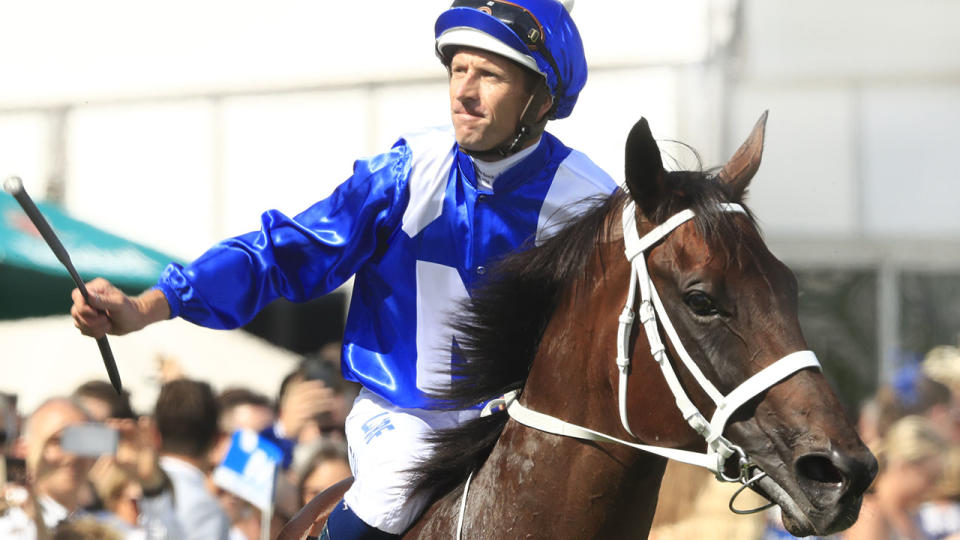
(44, 357)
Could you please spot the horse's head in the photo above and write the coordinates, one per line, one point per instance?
(734, 309)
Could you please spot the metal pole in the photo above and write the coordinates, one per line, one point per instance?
(266, 517)
(888, 337)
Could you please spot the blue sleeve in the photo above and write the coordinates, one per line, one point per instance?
(299, 258)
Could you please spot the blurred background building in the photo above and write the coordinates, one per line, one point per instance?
(175, 124)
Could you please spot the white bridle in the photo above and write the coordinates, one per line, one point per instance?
(719, 449)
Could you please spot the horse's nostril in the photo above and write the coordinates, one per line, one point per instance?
(819, 469)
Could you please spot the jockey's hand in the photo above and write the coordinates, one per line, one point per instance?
(110, 311)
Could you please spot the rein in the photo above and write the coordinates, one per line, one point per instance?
(652, 316)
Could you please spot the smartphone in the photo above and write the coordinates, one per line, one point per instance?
(89, 439)
(16, 470)
(315, 369)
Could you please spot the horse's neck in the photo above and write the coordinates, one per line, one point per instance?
(538, 485)
(571, 376)
(599, 491)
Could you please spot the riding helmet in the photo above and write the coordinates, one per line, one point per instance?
(537, 34)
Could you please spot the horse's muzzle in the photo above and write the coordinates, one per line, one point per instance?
(832, 484)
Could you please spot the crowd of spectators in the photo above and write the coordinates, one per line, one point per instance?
(87, 465)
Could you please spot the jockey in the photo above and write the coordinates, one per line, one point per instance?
(416, 227)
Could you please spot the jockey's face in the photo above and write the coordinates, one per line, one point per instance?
(487, 96)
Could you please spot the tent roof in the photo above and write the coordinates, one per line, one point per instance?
(33, 282)
(93, 251)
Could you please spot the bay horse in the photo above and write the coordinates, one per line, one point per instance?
(601, 387)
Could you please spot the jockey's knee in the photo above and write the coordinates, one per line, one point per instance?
(343, 524)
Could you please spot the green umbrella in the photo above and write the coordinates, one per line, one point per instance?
(32, 280)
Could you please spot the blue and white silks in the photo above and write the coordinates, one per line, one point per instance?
(415, 230)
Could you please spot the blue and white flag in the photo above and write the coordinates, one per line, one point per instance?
(249, 469)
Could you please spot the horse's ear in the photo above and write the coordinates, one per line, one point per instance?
(644, 168)
(738, 172)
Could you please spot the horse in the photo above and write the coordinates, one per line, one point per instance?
(708, 366)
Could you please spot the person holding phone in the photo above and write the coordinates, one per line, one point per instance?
(55, 474)
(136, 493)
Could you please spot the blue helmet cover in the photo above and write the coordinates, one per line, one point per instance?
(561, 38)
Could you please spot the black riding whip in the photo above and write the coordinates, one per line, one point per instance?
(14, 187)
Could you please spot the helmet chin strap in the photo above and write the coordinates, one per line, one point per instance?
(528, 127)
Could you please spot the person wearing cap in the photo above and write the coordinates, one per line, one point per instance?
(416, 227)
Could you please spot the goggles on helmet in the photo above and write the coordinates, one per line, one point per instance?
(521, 22)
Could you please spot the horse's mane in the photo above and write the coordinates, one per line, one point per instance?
(500, 326)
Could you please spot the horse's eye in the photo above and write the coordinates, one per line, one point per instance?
(701, 304)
